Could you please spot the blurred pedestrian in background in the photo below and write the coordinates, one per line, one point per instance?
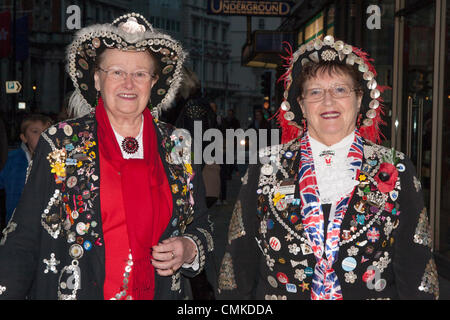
(196, 111)
(227, 169)
(260, 122)
(13, 175)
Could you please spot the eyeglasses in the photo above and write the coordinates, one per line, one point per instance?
(337, 91)
(120, 75)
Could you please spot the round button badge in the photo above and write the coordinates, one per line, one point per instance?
(52, 130)
(288, 154)
(282, 278)
(68, 130)
(75, 214)
(71, 182)
(281, 204)
(401, 167)
(309, 271)
(76, 251)
(272, 281)
(87, 245)
(267, 169)
(373, 234)
(81, 228)
(380, 285)
(275, 244)
(349, 264)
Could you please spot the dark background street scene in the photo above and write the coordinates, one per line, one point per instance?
(235, 59)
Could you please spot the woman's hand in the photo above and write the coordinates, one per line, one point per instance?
(171, 254)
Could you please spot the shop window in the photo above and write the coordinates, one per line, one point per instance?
(205, 30)
(195, 28)
(224, 35)
(261, 24)
(314, 28)
(329, 28)
(214, 33)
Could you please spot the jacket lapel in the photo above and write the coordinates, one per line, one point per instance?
(178, 177)
(279, 193)
(367, 204)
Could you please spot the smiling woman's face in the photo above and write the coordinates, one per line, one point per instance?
(330, 119)
(125, 98)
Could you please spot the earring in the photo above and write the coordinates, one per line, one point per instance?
(304, 124)
(96, 99)
(358, 122)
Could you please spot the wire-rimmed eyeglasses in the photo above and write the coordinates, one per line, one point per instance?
(120, 75)
(337, 91)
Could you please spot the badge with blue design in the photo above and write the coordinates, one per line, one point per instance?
(290, 287)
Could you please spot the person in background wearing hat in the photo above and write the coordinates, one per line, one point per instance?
(195, 111)
(112, 208)
(332, 215)
(12, 177)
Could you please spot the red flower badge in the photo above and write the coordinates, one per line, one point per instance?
(386, 177)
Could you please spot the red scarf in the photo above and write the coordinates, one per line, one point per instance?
(146, 199)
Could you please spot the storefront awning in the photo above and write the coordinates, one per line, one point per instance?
(265, 47)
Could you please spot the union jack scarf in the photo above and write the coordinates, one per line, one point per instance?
(325, 284)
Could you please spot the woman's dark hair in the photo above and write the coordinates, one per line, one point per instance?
(311, 70)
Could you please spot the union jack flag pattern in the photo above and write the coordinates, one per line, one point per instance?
(325, 284)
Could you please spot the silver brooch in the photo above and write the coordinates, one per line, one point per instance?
(51, 264)
(329, 55)
(132, 26)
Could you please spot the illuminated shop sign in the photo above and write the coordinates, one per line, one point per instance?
(249, 8)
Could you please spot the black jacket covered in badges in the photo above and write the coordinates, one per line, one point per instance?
(385, 239)
(53, 246)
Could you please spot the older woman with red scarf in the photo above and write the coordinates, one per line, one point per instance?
(112, 208)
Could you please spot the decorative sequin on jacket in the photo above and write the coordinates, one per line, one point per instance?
(53, 246)
(385, 239)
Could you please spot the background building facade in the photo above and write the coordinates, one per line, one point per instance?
(40, 57)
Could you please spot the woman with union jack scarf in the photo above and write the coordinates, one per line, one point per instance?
(329, 214)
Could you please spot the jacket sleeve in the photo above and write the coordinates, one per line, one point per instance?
(19, 246)
(238, 272)
(200, 229)
(414, 266)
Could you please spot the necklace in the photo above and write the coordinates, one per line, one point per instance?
(130, 145)
(126, 275)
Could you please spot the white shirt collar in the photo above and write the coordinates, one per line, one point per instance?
(27, 151)
(139, 154)
(334, 176)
